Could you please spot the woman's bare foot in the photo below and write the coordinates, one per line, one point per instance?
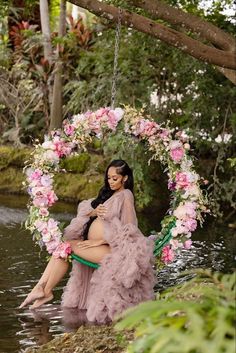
(41, 301)
(36, 293)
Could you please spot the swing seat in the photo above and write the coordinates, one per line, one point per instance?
(159, 245)
(83, 261)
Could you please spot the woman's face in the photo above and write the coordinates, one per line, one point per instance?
(115, 180)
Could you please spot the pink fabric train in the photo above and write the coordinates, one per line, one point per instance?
(125, 277)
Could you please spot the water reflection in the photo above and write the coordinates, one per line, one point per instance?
(21, 266)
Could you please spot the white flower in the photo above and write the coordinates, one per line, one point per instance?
(227, 138)
(193, 192)
(175, 144)
(223, 138)
(119, 113)
(48, 145)
(50, 156)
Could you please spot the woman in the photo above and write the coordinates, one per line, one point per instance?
(106, 228)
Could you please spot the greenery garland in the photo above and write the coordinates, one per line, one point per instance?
(172, 149)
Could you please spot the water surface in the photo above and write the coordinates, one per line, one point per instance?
(21, 266)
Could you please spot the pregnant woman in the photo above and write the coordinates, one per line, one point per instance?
(105, 231)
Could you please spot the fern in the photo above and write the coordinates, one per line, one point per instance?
(197, 317)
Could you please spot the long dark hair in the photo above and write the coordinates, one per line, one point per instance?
(105, 192)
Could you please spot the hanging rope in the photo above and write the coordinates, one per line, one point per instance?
(162, 241)
(115, 65)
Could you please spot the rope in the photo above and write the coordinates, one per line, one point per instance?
(83, 261)
(115, 64)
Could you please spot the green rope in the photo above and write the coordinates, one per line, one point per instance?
(162, 241)
(159, 245)
(84, 262)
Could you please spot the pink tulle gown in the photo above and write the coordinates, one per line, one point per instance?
(125, 277)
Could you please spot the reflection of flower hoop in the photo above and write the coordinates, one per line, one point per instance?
(187, 201)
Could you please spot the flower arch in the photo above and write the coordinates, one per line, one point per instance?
(172, 149)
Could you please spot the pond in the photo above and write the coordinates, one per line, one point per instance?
(21, 266)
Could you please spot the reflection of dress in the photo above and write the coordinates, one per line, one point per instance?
(125, 277)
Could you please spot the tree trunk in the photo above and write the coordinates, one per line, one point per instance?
(56, 108)
(224, 58)
(45, 24)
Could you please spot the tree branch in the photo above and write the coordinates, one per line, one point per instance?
(203, 28)
(170, 36)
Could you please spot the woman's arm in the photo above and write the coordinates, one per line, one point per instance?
(128, 214)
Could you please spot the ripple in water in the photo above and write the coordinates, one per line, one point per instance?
(21, 267)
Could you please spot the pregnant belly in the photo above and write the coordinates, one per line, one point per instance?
(96, 230)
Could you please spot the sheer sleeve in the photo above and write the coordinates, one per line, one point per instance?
(75, 228)
(128, 214)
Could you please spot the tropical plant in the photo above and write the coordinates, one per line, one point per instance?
(195, 317)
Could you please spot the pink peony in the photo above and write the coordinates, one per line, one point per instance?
(187, 244)
(40, 225)
(185, 211)
(190, 224)
(46, 180)
(62, 250)
(40, 201)
(35, 175)
(52, 245)
(177, 154)
(164, 134)
(167, 254)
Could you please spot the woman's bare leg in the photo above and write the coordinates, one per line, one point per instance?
(54, 275)
(58, 269)
(94, 254)
(38, 290)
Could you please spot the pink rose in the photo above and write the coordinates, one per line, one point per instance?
(182, 181)
(69, 129)
(167, 254)
(51, 198)
(43, 212)
(102, 111)
(62, 250)
(146, 128)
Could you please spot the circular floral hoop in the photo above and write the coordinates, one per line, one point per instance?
(170, 148)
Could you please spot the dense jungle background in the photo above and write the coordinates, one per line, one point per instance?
(171, 86)
(57, 60)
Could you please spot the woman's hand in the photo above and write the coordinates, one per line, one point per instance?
(90, 243)
(101, 210)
